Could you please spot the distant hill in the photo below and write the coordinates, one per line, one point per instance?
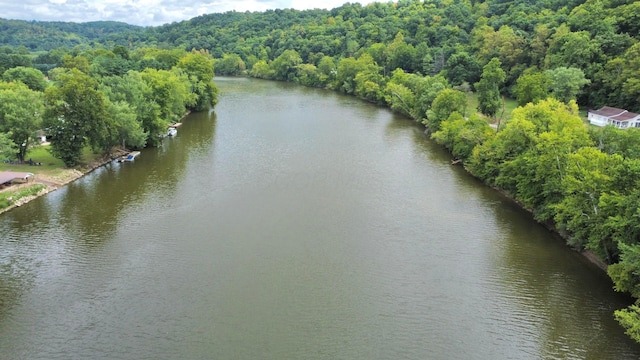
(45, 35)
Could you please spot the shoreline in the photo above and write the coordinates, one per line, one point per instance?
(71, 175)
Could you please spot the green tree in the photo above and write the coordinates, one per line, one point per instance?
(462, 135)
(462, 67)
(531, 88)
(488, 88)
(171, 91)
(447, 102)
(230, 64)
(21, 112)
(7, 147)
(129, 131)
(198, 65)
(566, 83)
(31, 77)
(285, 66)
(76, 115)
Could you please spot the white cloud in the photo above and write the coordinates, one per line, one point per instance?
(144, 12)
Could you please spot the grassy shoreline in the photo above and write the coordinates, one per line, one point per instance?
(50, 176)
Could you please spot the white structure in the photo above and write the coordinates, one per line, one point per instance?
(620, 118)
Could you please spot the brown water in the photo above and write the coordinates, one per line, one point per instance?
(294, 223)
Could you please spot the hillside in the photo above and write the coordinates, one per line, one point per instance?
(43, 35)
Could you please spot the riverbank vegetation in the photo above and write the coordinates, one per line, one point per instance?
(423, 59)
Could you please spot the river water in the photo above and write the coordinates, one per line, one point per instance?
(294, 223)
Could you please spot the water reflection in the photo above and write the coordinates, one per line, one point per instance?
(573, 299)
(78, 218)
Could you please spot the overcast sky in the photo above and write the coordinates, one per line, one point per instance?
(145, 12)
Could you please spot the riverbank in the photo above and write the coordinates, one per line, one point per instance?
(49, 180)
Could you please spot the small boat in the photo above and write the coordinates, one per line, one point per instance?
(129, 157)
(172, 131)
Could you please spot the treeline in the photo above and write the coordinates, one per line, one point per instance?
(102, 98)
(455, 38)
(49, 35)
(452, 38)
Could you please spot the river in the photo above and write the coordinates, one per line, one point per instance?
(294, 223)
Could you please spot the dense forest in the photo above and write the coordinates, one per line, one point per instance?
(423, 59)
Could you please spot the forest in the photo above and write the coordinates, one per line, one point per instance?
(424, 59)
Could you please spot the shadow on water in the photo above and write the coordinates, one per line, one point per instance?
(573, 298)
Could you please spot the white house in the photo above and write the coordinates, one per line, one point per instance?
(620, 118)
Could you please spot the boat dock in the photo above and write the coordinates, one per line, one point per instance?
(129, 157)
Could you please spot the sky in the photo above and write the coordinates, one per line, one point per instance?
(145, 12)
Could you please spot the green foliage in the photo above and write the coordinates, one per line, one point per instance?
(447, 102)
(462, 135)
(9, 198)
(629, 318)
(7, 147)
(198, 65)
(488, 88)
(21, 112)
(171, 90)
(531, 88)
(230, 64)
(566, 83)
(285, 66)
(626, 273)
(261, 70)
(76, 114)
(31, 77)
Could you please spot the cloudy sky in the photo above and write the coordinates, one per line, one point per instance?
(145, 12)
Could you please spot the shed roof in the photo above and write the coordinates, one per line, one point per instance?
(9, 176)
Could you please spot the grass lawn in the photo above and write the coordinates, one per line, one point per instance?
(52, 169)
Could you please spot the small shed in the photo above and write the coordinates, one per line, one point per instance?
(9, 177)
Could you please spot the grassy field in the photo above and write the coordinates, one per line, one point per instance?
(51, 172)
(50, 165)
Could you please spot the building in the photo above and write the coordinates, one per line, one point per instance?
(8, 178)
(620, 118)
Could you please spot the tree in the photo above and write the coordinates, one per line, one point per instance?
(462, 135)
(198, 65)
(488, 88)
(531, 88)
(21, 112)
(462, 67)
(171, 90)
(261, 70)
(7, 146)
(31, 77)
(76, 115)
(285, 66)
(230, 64)
(446, 103)
(566, 83)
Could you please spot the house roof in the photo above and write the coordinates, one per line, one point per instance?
(625, 116)
(9, 176)
(608, 111)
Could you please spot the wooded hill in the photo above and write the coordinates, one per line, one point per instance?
(457, 37)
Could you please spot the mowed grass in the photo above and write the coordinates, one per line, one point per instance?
(51, 167)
